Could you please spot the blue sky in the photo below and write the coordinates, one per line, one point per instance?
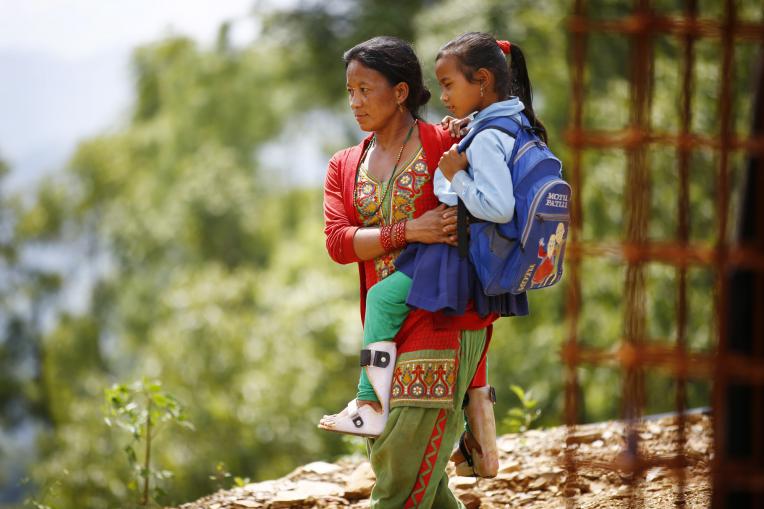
(64, 67)
(78, 29)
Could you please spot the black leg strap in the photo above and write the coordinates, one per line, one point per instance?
(465, 452)
(379, 359)
(491, 396)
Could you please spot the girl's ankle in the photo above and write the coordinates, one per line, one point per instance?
(376, 405)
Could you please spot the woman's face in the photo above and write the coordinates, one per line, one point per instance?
(457, 93)
(372, 98)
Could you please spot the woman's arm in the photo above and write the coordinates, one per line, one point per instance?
(337, 227)
(348, 243)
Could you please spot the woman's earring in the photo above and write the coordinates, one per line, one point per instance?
(481, 90)
(400, 107)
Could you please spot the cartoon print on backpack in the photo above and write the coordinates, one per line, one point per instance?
(560, 243)
(545, 267)
(546, 273)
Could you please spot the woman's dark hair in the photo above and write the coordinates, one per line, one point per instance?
(476, 50)
(395, 59)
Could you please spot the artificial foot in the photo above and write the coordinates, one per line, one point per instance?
(361, 418)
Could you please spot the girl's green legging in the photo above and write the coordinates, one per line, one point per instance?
(386, 310)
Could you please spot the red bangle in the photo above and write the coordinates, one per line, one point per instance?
(399, 234)
(386, 237)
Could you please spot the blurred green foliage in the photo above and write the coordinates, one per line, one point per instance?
(209, 275)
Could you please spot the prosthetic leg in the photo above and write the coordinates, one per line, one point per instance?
(477, 454)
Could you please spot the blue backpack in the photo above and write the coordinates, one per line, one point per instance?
(527, 252)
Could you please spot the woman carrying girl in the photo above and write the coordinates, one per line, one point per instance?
(422, 380)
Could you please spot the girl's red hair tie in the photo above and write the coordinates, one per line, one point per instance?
(504, 45)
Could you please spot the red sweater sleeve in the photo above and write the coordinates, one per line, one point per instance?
(337, 227)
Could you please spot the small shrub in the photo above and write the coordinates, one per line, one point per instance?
(143, 410)
(521, 418)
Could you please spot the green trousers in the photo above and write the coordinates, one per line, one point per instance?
(386, 310)
(410, 456)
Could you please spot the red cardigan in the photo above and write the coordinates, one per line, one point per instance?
(341, 223)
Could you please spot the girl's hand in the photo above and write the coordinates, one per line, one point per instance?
(457, 127)
(452, 162)
(434, 226)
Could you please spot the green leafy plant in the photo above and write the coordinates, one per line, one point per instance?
(143, 409)
(521, 418)
(241, 481)
(221, 475)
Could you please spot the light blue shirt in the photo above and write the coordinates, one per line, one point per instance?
(486, 186)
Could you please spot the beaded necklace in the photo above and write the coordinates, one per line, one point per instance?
(390, 180)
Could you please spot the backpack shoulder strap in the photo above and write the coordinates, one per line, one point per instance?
(506, 125)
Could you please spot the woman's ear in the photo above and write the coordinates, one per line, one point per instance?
(401, 92)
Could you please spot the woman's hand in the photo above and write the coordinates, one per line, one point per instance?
(437, 225)
(434, 226)
(452, 162)
(457, 127)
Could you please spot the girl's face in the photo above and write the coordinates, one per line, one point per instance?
(373, 100)
(457, 93)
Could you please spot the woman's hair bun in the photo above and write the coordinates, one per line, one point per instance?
(424, 97)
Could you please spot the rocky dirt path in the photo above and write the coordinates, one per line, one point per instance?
(531, 474)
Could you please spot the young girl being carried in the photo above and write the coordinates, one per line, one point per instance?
(477, 74)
